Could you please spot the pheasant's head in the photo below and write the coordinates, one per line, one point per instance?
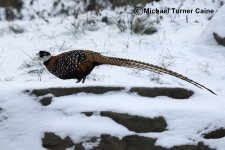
(43, 55)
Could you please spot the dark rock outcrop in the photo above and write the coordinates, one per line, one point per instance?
(220, 40)
(45, 101)
(199, 146)
(108, 142)
(70, 91)
(54, 142)
(137, 123)
(135, 142)
(88, 113)
(176, 93)
(216, 134)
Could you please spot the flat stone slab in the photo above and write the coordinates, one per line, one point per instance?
(176, 93)
(57, 92)
(108, 142)
(137, 124)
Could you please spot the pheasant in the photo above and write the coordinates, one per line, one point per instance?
(77, 64)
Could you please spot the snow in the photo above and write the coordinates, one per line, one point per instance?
(215, 25)
(27, 120)
(189, 46)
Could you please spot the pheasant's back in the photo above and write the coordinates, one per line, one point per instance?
(71, 65)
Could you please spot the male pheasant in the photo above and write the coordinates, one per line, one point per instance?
(77, 64)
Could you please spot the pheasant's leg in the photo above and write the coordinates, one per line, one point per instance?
(78, 80)
(83, 80)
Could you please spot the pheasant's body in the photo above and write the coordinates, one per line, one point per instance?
(77, 64)
(70, 65)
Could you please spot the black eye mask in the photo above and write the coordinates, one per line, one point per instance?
(44, 53)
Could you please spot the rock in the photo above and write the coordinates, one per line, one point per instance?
(45, 101)
(105, 19)
(88, 114)
(79, 147)
(135, 142)
(137, 123)
(200, 146)
(109, 142)
(132, 142)
(220, 40)
(69, 91)
(185, 147)
(216, 134)
(177, 93)
(54, 142)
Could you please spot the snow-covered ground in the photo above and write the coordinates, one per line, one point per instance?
(180, 46)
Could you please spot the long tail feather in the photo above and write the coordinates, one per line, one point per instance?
(145, 66)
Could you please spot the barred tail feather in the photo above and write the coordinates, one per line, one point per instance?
(145, 66)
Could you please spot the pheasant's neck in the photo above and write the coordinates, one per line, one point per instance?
(47, 61)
